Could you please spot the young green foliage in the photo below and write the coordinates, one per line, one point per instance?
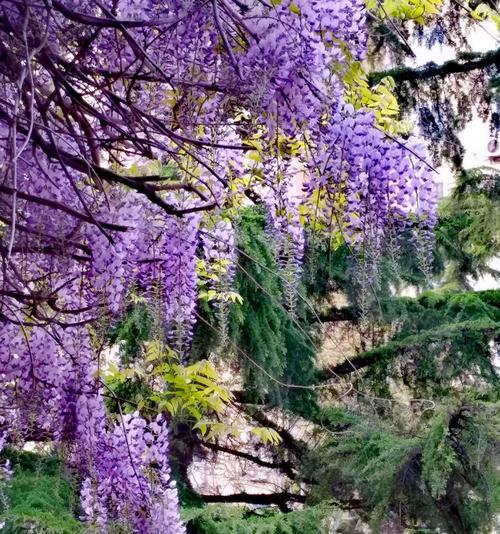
(416, 10)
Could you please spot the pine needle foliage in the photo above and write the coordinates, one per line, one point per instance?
(133, 329)
(441, 475)
(238, 520)
(261, 327)
(39, 498)
(468, 230)
(438, 338)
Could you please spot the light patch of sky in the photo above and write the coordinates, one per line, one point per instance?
(476, 134)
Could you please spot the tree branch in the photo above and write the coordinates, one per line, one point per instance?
(289, 441)
(102, 22)
(58, 206)
(284, 466)
(334, 315)
(350, 366)
(465, 63)
(279, 499)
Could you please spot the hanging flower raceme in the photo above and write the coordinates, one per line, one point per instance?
(123, 465)
(178, 280)
(295, 46)
(284, 225)
(368, 186)
(219, 269)
(128, 481)
(115, 255)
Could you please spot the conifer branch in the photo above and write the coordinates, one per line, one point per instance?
(462, 64)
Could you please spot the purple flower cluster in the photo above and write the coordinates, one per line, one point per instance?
(220, 257)
(219, 250)
(178, 280)
(284, 225)
(121, 86)
(296, 46)
(123, 465)
(384, 186)
(127, 478)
